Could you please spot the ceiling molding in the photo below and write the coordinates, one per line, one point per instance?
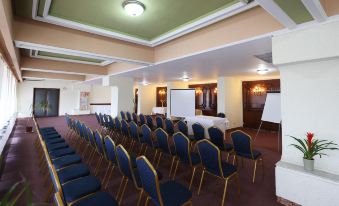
(279, 14)
(316, 9)
(203, 22)
(48, 75)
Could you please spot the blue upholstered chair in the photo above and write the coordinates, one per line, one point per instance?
(98, 198)
(149, 122)
(135, 118)
(128, 173)
(97, 117)
(118, 129)
(125, 131)
(128, 117)
(184, 154)
(242, 143)
(106, 120)
(183, 128)
(221, 115)
(212, 164)
(164, 146)
(92, 145)
(147, 135)
(101, 117)
(123, 115)
(142, 119)
(99, 150)
(169, 126)
(159, 122)
(217, 137)
(162, 194)
(111, 125)
(198, 131)
(110, 151)
(136, 137)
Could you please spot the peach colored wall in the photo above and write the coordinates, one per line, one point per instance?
(245, 25)
(331, 7)
(48, 75)
(120, 67)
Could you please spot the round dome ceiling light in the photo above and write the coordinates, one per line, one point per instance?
(133, 7)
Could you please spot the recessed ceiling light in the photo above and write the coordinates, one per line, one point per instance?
(262, 71)
(185, 79)
(145, 83)
(133, 7)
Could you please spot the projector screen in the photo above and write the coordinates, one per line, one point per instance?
(272, 109)
(182, 102)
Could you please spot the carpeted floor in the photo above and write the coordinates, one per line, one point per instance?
(20, 160)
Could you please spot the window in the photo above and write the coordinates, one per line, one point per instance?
(8, 103)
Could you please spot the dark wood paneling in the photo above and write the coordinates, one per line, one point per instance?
(254, 96)
(161, 97)
(136, 101)
(206, 98)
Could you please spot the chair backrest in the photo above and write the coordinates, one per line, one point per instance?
(162, 139)
(128, 116)
(222, 115)
(242, 142)
(117, 124)
(149, 121)
(169, 126)
(159, 122)
(85, 132)
(105, 119)
(147, 134)
(182, 126)
(91, 136)
(80, 130)
(149, 179)
(217, 137)
(101, 117)
(98, 141)
(142, 119)
(135, 117)
(111, 122)
(210, 157)
(125, 164)
(125, 128)
(198, 131)
(182, 147)
(97, 116)
(110, 149)
(123, 116)
(134, 130)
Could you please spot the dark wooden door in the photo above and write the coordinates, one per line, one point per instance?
(46, 102)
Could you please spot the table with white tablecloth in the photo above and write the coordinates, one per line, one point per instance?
(207, 121)
(159, 110)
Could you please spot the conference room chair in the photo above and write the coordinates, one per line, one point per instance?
(123, 115)
(162, 194)
(164, 147)
(110, 151)
(183, 128)
(243, 148)
(184, 154)
(98, 198)
(118, 129)
(142, 119)
(169, 126)
(91, 146)
(129, 173)
(149, 122)
(221, 115)
(198, 131)
(125, 132)
(102, 122)
(111, 126)
(135, 118)
(136, 137)
(159, 122)
(99, 150)
(97, 117)
(128, 116)
(217, 137)
(147, 135)
(212, 164)
(106, 121)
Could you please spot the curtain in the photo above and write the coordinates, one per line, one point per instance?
(8, 96)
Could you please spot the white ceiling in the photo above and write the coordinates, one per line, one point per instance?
(231, 60)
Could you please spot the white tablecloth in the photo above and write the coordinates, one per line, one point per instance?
(159, 110)
(207, 121)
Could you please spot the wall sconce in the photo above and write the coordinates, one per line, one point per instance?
(215, 90)
(198, 91)
(162, 92)
(258, 90)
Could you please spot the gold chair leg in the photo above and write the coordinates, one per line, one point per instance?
(254, 171)
(96, 171)
(234, 157)
(109, 177)
(159, 160)
(123, 192)
(155, 156)
(140, 197)
(192, 178)
(107, 172)
(175, 170)
(201, 179)
(170, 172)
(147, 201)
(224, 195)
(119, 188)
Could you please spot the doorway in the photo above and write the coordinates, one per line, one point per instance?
(46, 102)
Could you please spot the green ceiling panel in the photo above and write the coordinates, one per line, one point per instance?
(70, 57)
(296, 10)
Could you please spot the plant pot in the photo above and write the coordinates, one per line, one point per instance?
(308, 164)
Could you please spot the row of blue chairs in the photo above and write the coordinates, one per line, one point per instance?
(71, 179)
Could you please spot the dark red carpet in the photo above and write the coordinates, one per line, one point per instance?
(20, 159)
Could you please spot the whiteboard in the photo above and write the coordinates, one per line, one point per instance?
(182, 102)
(272, 109)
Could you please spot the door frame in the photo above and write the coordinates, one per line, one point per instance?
(57, 89)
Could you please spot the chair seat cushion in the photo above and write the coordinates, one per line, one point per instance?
(99, 198)
(66, 161)
(54, 140)
(174, 193)
(45, 129)
(61, 152)
(80, 187)
(53, 136)
(256, 155)
(228, 169)
(73, 172)
(228, 147)
(56, 146)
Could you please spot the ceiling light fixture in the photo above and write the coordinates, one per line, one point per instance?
(262, 71)
(133, 7)
(185, 79)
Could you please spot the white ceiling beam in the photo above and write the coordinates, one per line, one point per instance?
(316, 10)
(271, 7)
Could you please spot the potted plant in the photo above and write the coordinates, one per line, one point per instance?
(312, 147)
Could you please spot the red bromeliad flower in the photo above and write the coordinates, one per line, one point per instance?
(309, 139)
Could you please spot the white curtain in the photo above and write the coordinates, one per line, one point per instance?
(8, 96)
